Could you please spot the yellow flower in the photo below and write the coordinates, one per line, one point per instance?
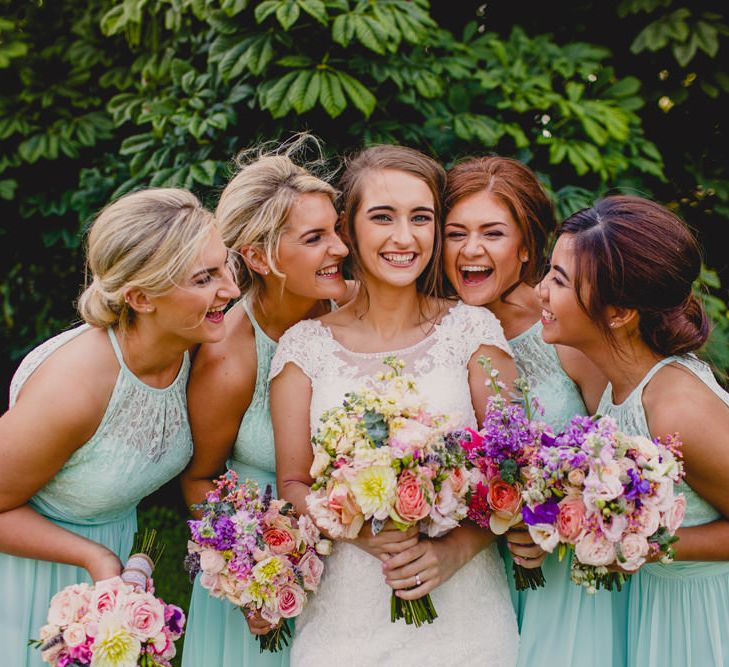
(265, 571)
(374, 489)
(113, 645)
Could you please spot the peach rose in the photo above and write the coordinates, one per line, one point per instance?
(571, 518)
(646, 521)
(505, 501)
(145, 616)
(674, 516)
(411, 497)
(311, 569)
(290, 599)
(576, 477)
(342, 502)
(279, 541)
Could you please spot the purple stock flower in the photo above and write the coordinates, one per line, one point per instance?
(544, 513)
(637, 486)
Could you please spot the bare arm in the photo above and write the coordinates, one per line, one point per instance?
(478, 378)
(221, 387)
(676, 402)
(37, 436)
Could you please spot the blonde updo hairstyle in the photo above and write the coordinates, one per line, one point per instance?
(255, 205)
(148, 240)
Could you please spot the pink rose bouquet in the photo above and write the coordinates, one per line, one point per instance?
(252, 549)
(381, 456)
(608, 497)
(117, 621)
(500, 454)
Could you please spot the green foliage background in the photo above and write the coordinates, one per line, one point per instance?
(98, 97)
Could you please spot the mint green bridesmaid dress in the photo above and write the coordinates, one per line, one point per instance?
(560, 624)
(678, 614)
(217, 633)
(142, 442)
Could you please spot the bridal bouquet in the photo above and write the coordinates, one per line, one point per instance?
(382, 456)
(116, 622)
(608, 497)
(253, 550)
(501, 453)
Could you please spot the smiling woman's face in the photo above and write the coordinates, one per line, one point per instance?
(394, 227)
(483, 249)
(310, 252)
(565, 322)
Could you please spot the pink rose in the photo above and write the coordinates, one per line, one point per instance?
(633, 549)
(409, 436)
(52, 654)
(48, 631)
(411, 497)
(279, 541)
(69, 605)
(342, 501)
(74, 634)
(595, 550)
(571, 518)
(290, 599)
(674, 516)
(145, 615)
(311, 569)
(646, 521)
(105, 595)
(211, 561)
(309, 532)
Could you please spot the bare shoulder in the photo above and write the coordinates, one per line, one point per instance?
(72, 388)
(230, 365)
(676, 400)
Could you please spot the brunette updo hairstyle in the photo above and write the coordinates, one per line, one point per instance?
(515, 187)
(634, 253)
(395, 158)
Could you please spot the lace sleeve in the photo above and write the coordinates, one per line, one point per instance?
(304, 344)
(476, 326)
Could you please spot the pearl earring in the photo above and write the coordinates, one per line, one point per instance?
(524, 258)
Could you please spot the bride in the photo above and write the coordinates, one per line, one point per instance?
(391, 201)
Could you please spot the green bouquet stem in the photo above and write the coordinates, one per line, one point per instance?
(413, 611)
(525, 577)
(275, 640)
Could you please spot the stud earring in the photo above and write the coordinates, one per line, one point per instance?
(524, 258)
(612, 325)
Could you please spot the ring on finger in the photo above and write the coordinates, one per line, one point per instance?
(418, 582)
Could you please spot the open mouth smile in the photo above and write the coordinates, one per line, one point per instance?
(473, 274)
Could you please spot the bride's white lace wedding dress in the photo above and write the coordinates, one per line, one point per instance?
(347, 622)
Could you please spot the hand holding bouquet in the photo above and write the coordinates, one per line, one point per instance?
(607, 496)
(253, 550)
(500, 454)
(116, 622)
(382, 456)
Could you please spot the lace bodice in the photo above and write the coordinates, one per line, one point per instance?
(631, 418)
(348, 620)
(438, 362)
(254, 443)
(142, 442)
(538, 362)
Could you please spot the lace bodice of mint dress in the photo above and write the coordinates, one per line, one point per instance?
(678, 613)
(142, 442)
(560, 624)
(217, 633)
(348, 621)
